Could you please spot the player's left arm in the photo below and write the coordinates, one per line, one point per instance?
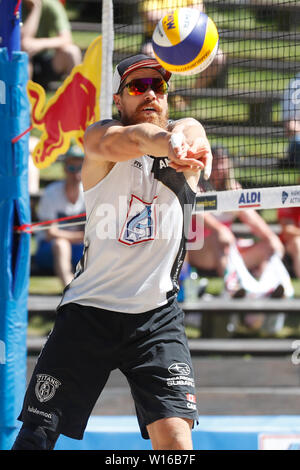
(192, 137)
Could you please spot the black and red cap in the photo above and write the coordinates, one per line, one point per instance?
(128, 65)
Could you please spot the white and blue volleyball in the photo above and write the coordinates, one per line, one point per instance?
(185, 41)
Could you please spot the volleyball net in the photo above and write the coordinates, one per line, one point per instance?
(245, 99)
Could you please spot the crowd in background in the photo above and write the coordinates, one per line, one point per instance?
(46, 37)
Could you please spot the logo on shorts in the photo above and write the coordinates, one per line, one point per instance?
(46, 387)
(190, 397)
(179, 368)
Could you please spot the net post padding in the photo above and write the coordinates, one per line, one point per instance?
(15, 248)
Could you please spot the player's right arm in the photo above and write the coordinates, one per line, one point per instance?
(113, 142)
(109, 142)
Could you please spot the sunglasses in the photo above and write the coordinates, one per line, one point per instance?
(73, 168)
(138, 86)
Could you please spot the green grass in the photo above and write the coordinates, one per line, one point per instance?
(258, 80)
(239, 18)
(53, 172)
(217, 109)
(45, 285)
(275, 49)
(250, 146)
(40, 325)
(50, 285)
(264, 177)
(84, 38)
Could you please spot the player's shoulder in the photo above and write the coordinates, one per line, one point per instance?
(109, 122)
(98, 128)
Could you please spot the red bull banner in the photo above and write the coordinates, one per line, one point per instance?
(70, 111)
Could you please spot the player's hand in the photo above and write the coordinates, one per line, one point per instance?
(200, 149)
(186, 157)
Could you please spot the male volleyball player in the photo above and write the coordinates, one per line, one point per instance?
(120, 310)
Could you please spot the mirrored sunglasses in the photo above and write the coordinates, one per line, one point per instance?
(138, 86)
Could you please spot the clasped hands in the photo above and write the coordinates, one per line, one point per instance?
(194, 157)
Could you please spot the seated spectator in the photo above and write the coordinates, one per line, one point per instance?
(60, 248)
(240, 262)
(291, 118)
(250, 268)
(46, 37)
(151, 12)
(289, 219)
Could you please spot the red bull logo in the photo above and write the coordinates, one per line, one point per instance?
(70, 111)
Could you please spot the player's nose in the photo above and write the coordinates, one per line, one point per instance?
(150, 94)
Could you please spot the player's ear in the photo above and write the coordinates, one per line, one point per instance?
(117, 101)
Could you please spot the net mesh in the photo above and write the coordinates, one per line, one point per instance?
(239, 98)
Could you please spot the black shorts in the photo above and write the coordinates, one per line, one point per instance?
(87, 343)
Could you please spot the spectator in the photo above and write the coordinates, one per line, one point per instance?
(240, 262)
(152, 11)
(291, 118)
(60, 249)
(289, 219)
(252, 269)
(46, 37)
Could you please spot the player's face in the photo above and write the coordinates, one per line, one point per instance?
(149, 106)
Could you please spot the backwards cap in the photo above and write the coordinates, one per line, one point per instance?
(128, 65)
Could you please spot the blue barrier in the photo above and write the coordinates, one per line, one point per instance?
(14, 247)
(212, 433)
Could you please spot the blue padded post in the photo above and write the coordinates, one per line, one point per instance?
(14, 247)
(14, 210)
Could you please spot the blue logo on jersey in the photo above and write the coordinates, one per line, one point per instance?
(140, 226)
(140, 222)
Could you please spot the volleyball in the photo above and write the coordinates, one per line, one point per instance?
(185, 41)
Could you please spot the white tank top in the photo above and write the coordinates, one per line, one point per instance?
(136, 221)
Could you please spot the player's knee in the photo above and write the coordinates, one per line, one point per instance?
(175, 441)
(34, 437)
(171, 434)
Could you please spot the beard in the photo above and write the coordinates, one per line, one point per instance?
(159, 117)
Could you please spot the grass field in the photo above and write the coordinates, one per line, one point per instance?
(39, 325)
(50, 285)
